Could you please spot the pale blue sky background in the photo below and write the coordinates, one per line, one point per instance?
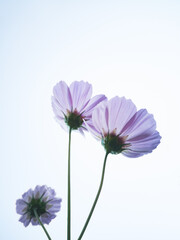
(125, 48)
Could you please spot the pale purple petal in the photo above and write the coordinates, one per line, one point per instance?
(34, 221)
(100, 119)
(27, 196)
(62, 123)
(82, 129)
(92, 104)
(120, 111)
(39, 191)
(54, 205)
(46, 218)
(142, 123)
(132, 154)
(21, 206)
(81, 93)
(25, 219)
(145, 144)
(142, 136)
(58, 110)
(90, 127)
(63, 96)
(49, 194)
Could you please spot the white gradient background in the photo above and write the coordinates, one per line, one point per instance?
(125, 48)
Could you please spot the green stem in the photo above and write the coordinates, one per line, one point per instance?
(36, 215)
(96, 199)
(69, 191)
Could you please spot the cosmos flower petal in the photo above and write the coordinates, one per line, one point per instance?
(63, 96)
(93, 103)
(62, 123)
(49, 194)
(145, 144)
(25, 219)
(27, 195)
(54, 205)
(34, 221)
(81, 93)
(93, 130)
(58, 110)
(82, 128)
(141, 146)
(100, 119)
(140, 125)
(21, 206)
(120, 111)
(132, 154)
(39, 191)
(46, 218)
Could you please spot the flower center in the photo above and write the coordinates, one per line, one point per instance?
(37, 204)
(74, 120)
(114, 144)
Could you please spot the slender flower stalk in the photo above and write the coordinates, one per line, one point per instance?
(69, 190)
(36, 215)
(73, 106)
(96, 199)
(122, 129)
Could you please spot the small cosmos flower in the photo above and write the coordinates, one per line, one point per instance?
(123, 129)
(73, 105)
(43, 200)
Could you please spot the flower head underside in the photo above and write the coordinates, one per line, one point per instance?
(123, 129)
(73, 105)
(42, 200)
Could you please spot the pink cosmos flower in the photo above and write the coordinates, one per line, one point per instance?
(123, 129)
(73, 105)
